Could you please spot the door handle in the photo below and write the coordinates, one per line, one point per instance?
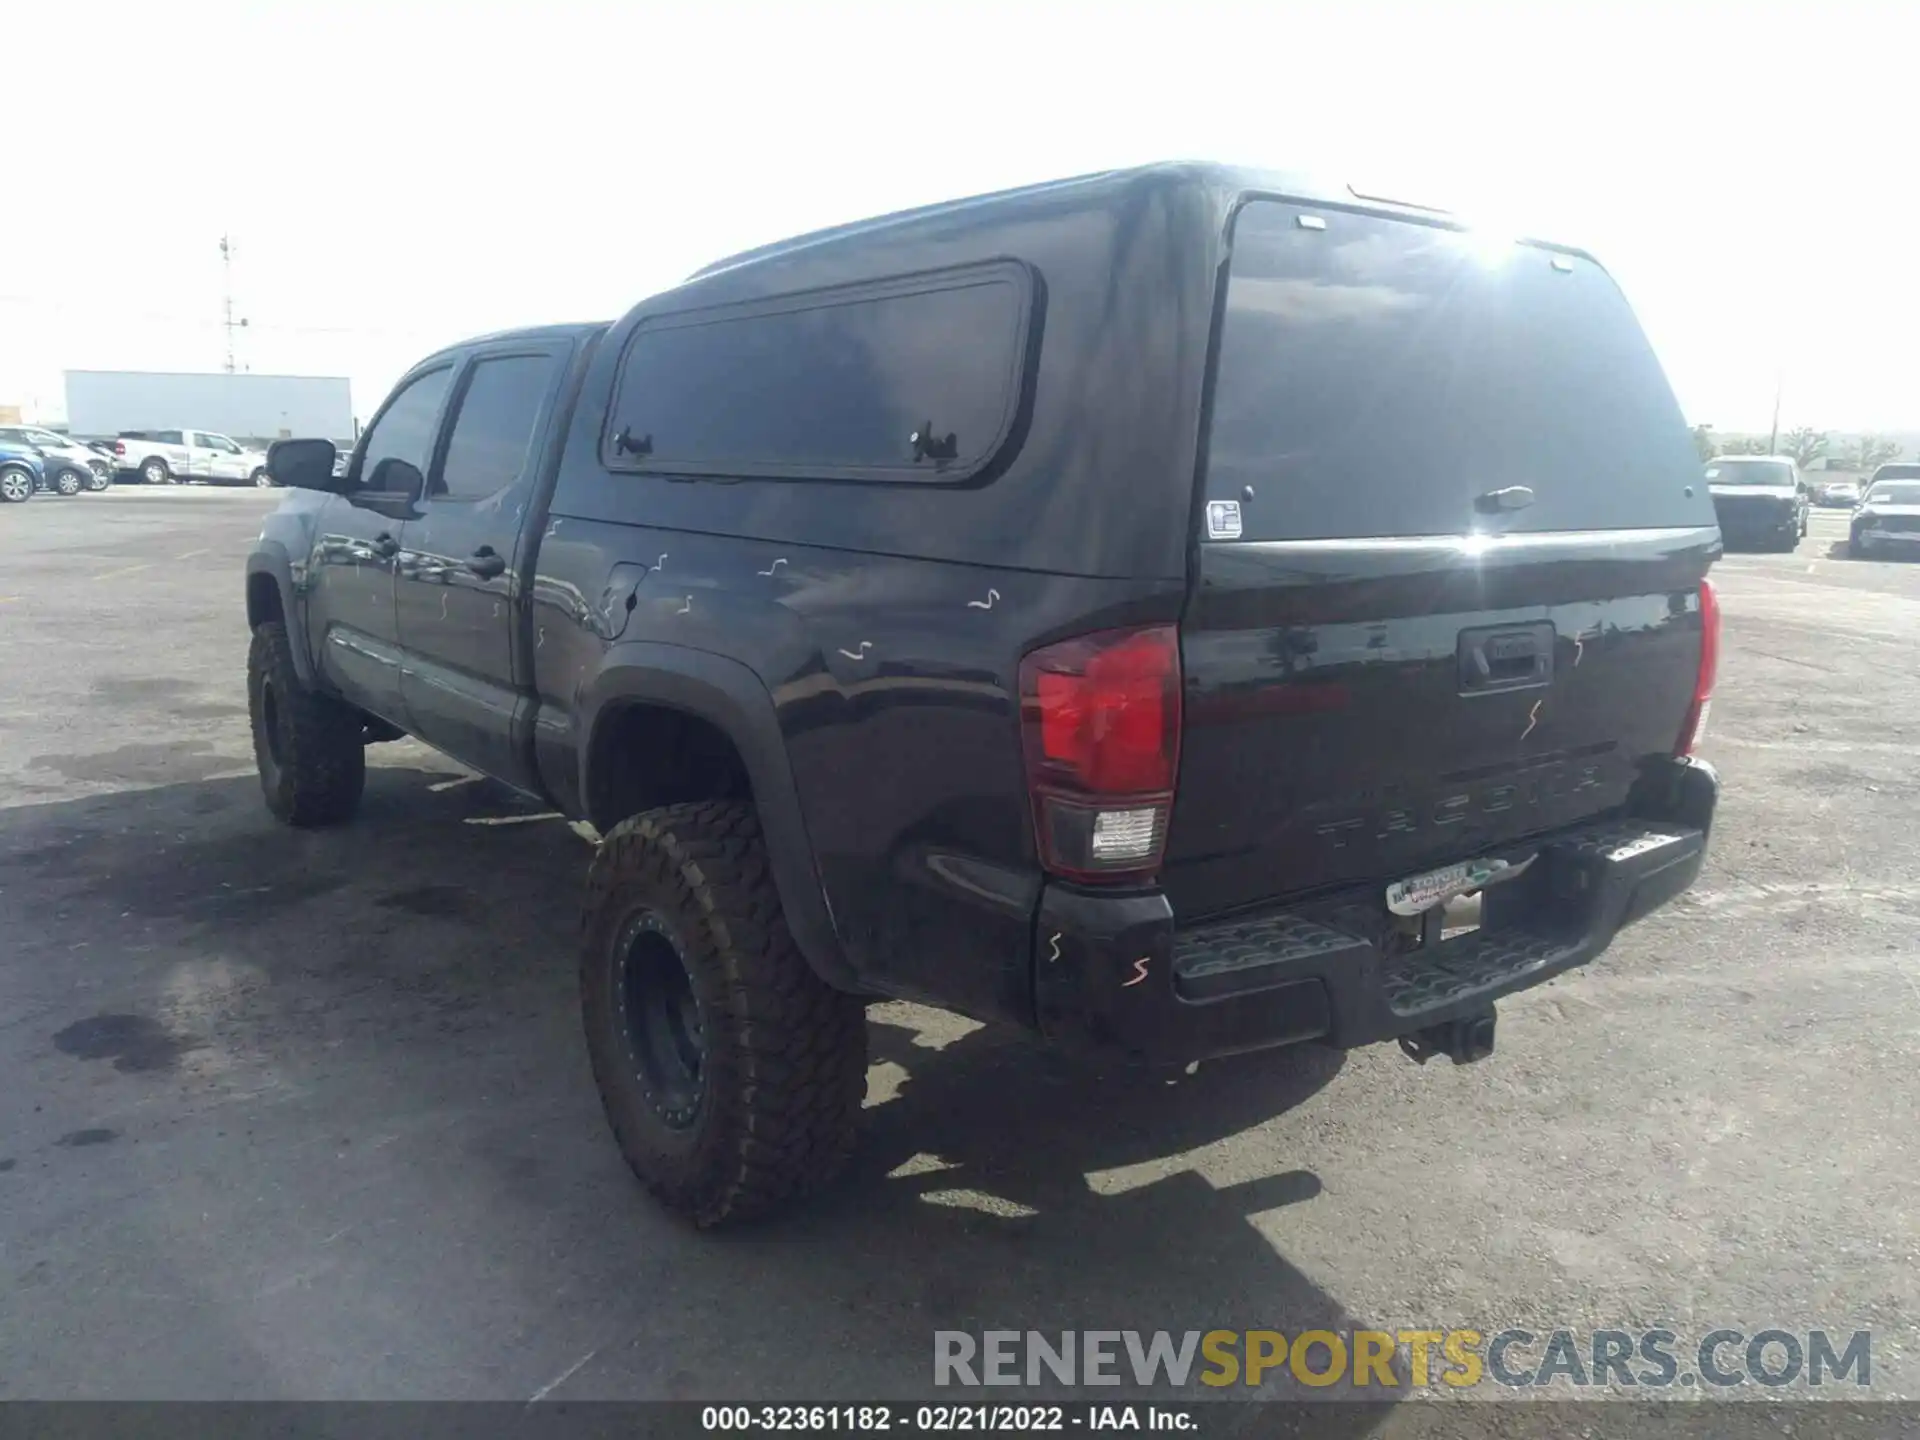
(486, 563)
(385, 546)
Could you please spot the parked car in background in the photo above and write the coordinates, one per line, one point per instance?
(1838, 494)
(1888, 519)
(22, 472)
(1897, 470)
(165, 457)
(1760, 499)
(53, 477)
(65, 457)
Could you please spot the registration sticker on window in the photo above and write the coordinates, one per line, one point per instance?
(1223, 519)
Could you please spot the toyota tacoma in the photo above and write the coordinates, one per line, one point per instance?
(1177, 611)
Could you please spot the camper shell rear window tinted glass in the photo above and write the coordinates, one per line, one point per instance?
(1377, 376)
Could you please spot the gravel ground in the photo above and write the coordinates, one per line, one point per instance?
(308, 1116)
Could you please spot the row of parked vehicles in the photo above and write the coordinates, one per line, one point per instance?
(1763, 500)
(35, 460)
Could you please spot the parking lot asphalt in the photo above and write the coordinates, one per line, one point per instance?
(308, 1115)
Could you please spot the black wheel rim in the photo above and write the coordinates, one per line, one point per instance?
(660, 1018)
(270, 721)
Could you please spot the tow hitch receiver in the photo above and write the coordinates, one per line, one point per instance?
(1463, 1041)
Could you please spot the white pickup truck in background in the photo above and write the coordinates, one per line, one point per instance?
(167, 457)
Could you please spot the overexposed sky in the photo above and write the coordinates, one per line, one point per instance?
(399, 175)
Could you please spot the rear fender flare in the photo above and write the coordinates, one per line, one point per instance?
(731, 697)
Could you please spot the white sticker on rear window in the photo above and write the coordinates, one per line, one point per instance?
(1223, 519)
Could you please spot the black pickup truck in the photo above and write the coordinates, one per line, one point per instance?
(1179, 611)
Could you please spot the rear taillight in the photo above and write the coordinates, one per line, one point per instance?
(1100, 721)
(1696, 722)
(119, 447)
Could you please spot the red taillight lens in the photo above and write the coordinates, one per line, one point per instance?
(119, 447)
(1109, 708)
(1100, 716)
(1696, 722)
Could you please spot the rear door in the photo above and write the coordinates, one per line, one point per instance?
(1447, 585)
(457, 579)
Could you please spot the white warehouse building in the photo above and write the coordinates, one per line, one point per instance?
(102, 403)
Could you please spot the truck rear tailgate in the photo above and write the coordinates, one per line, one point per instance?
(1446, 594)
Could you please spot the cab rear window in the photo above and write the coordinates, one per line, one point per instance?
(1376, 377)
(1750, 472)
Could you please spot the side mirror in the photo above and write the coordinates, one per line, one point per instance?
(305, 465)
(393, 488)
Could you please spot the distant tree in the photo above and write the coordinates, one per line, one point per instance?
(1804, 445)
(1745, 445)
(1872, 451)
(1704, 442)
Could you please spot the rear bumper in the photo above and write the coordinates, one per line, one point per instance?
(1879, 535)
(1115, 972)
(1758, 522)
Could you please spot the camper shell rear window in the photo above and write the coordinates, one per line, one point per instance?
(1377, 375)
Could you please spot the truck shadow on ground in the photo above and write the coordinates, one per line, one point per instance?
(423, 956)
(1066, 1194)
